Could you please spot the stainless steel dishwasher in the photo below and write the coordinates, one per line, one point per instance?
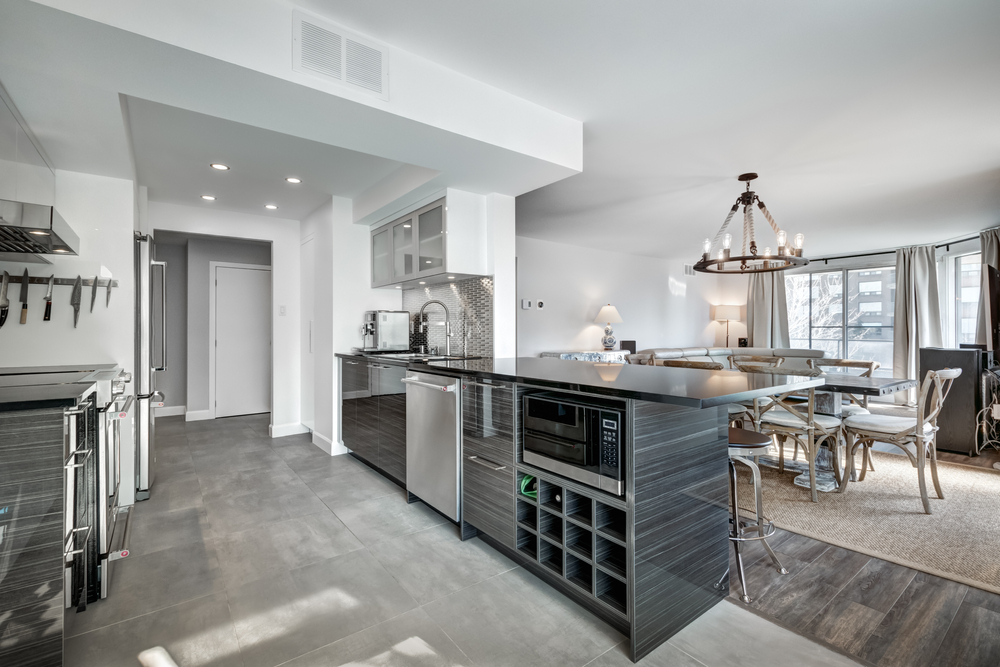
(433, 441)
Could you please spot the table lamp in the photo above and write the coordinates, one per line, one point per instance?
(727, 313)
(609, 314)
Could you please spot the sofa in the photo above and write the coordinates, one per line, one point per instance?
(795, 359)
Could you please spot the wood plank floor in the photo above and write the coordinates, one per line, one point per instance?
(874, 611)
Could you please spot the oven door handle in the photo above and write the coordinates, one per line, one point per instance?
(428, 385)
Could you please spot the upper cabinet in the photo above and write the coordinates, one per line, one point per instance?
(24, 175)
(447, 236)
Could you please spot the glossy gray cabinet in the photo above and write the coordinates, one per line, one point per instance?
(413, 246)
(488, 448)
(373, 414)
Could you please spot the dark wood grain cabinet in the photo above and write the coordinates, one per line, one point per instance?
(391, 393)
(488, 447)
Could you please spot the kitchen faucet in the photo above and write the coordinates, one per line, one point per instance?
(447, 324)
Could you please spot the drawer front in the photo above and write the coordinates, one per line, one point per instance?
(488, 419)
(366, 434)
(488, 495)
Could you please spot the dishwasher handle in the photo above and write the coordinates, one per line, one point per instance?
(417, 383)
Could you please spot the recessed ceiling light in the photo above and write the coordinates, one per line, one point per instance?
(292, 179)
(39, 232)
(208, 197)
(60, 250)
(220, 166)
(398, 287)
(451, 277)
(406, 226)
(271, 207)
(428, 262)
(422, 282)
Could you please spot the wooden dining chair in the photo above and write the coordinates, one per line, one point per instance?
(743, 361)
(918, 433)
(800, 423)
(739, 414)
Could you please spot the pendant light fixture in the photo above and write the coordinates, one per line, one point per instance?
(750, 260)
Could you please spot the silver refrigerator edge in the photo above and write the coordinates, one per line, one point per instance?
(150, 357)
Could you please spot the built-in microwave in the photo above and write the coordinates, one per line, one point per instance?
(575, 437)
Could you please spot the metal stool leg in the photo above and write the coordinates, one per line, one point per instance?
(737, 544)
(759, 514)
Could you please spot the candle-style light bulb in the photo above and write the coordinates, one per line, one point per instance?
(767, 251)
(782, 238)
(800, 240)
(727, 241)
(707, 246)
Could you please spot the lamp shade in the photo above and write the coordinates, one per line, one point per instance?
(723, 313)
(608, 314)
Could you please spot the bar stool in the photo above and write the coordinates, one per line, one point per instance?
(744, 446)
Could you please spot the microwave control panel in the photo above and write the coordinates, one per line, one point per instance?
(610, 429)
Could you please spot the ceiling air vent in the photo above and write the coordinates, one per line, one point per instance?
(329, 51)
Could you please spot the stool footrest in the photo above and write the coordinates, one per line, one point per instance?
(769, 529)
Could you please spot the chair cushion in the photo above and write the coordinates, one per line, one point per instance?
(781, 417)
(884, 423)
(736, 409)
(853, 409)
(762, 401)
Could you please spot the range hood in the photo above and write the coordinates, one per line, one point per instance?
(34, 229)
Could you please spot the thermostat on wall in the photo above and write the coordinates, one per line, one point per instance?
(526, 304)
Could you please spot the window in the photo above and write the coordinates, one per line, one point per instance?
(818, 318)
(967, 282)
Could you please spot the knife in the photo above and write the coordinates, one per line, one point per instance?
(4, 301)
(108, 302)
(48, 299)
(93, 293)
(24, 298)
(75, 299)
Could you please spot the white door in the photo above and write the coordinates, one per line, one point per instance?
(243, 341)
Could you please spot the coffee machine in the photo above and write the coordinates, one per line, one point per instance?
(386, 331)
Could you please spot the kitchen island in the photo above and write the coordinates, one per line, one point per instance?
(646, 561)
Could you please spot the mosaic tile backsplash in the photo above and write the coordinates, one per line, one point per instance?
(470, 304)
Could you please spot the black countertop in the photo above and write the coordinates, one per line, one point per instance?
(689, 387)
(35, 397)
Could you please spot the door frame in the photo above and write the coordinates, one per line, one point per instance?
(212, 287)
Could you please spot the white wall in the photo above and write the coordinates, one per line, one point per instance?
(660, 306)
(200, 252)
(501, 259)
(284, 238)
(100, 210)
(173, 381)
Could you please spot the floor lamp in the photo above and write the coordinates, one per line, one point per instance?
(727, 313)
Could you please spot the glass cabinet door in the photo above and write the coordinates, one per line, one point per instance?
(381, 258)
(403, 259)
(431, 233)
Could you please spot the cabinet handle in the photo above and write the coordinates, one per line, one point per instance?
(485, 463)
(487, 386)
(351, 363)
(427, 385)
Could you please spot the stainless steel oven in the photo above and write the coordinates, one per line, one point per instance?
(579, 438)
(79, 469)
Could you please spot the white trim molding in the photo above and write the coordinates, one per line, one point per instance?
(170, 411)
(198, 415)
(281, 430)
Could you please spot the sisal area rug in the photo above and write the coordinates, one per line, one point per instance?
(883, 517)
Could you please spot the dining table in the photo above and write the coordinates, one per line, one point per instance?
(830, 397)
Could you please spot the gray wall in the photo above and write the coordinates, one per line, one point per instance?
(173, 381)
(201, 251)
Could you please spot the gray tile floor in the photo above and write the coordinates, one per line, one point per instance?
(261, 552)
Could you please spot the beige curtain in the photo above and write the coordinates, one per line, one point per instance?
(918, 314)
(767, 310)
(989, 241)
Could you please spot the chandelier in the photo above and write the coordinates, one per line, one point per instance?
(750, 260)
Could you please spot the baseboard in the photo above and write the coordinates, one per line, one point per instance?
(170, 411)
(281, 430)
(198, 415)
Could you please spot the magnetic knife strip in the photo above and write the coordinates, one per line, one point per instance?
(86, 282)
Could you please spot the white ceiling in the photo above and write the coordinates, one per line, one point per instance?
(174, 149)
(871, 124)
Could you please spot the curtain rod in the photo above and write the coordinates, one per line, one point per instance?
(888, 252)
